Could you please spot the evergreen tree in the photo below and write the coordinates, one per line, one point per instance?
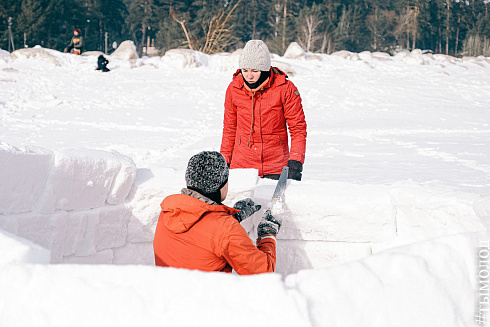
(143, 15)
(31, 23)
(8, 8)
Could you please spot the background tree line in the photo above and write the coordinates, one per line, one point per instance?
(443, 26)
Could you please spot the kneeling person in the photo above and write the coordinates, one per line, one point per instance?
(196, 231)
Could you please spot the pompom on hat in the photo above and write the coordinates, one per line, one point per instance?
(207, 172)
(255, 55)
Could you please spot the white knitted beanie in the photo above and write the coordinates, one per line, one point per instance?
(255, 55)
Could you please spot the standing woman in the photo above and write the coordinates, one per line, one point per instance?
(260, 102)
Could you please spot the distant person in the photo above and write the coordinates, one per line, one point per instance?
(261, 104)
(196, 231)
(102, 63)
(76, 44)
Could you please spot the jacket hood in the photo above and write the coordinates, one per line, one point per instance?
(181, 211)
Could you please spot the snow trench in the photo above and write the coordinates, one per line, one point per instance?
(96, 207)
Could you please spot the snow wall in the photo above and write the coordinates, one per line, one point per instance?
(96, 207)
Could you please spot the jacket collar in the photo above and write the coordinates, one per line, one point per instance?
(277, 77)
(198, 196)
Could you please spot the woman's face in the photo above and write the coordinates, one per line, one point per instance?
(251, 75)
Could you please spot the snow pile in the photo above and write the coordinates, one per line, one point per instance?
(405, 286)
(231, 63)
(4, 56)
(414, 58)
(126, 51)
(294, 51)
(346, 55)
(38, 53)
(182, 58)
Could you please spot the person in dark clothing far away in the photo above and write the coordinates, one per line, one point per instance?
(102, 64)
(76, 44)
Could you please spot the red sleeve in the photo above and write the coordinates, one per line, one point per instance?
(246, 258)
(229, 127)
(295, 118)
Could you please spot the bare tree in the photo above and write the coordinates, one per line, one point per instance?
(218, 34)
(407, 24)
(217, 31)
(309, 32)
(182, 24)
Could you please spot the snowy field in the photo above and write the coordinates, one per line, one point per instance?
(385, 229)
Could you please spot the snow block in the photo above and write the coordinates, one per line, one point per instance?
(23, 173)
(123, 180)
(425, 212)
(16, 250)
(47, 231)
(85, 245)
(90, 231)
(335, 211)
(76, 232)
(104, 257)
(149, 190)
(84, 179)
(134, 254)
(112, 229)
(295, 255)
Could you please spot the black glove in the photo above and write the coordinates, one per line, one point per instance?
(295, 169)
(247, 208)
(268, 225)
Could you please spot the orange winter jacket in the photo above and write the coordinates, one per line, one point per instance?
(254, 126)
(194, 234)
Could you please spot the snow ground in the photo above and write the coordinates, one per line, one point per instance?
(397, 154)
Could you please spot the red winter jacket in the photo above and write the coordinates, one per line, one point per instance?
(194, 234)
(254, 125)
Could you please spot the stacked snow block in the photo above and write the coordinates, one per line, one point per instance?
(330, 223)
(71, 202)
